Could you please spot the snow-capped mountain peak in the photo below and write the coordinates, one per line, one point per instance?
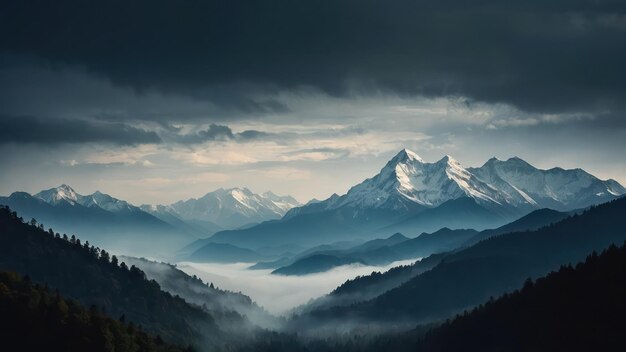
(408, 155)
(407, 182)
(234, 207)
(283, 202)
(557, 188)
(109, 203)
(63, 193)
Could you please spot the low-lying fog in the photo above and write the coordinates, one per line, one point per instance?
(278, 293)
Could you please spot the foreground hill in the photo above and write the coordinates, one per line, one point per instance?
(92, 277)
(574, 309)
(465, 278)
(36, 319)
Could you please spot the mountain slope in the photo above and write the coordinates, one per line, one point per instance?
(467, 277)
(306, 229)
(428, 243)
(459, 213)
(532, 221)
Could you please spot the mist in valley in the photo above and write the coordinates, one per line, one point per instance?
(277, 293)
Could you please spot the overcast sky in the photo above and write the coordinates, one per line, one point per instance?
(155, 101)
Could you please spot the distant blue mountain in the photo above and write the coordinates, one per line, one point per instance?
(380, 251)
(101, 219)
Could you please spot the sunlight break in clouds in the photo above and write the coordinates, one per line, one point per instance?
(276, 293)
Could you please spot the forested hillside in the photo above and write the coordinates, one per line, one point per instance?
(36, 319)
(93, 277)
(581, 308)
(463, 279)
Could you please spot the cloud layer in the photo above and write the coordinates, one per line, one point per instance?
(59, 131)
(548, 56)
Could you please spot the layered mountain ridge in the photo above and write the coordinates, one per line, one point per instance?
(411, 196)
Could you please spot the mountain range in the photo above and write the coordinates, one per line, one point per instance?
(408, 195)
(147, 230)
(227, 208)
(411, 196)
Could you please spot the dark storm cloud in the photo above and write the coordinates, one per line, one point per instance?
(539, 55)
(218, 133)
(59, 131)
(252, 134)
